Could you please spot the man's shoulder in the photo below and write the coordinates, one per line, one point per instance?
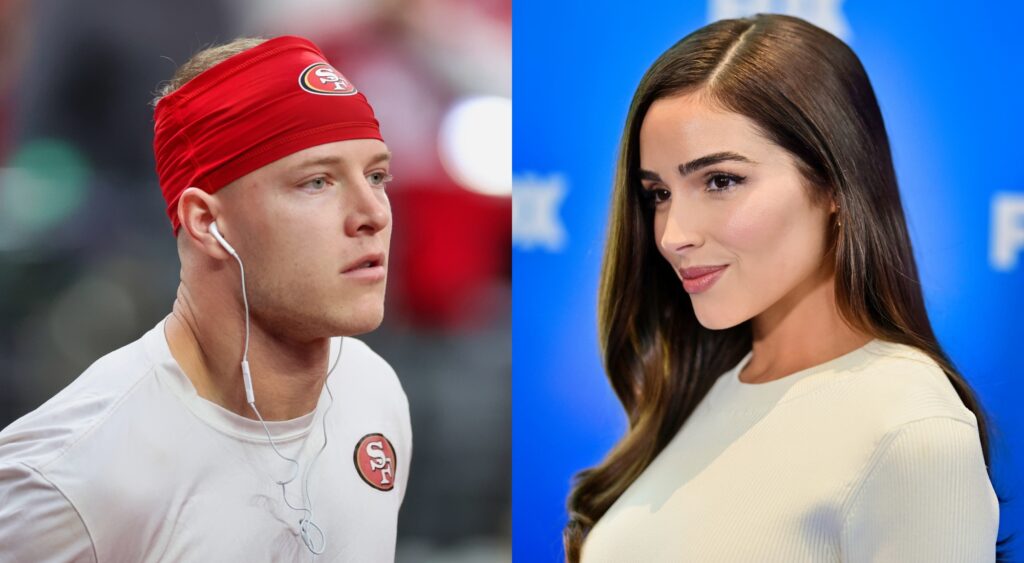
(37, 522)
(39, 451)
(46, 433)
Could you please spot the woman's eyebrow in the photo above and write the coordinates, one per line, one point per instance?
(708, 160)
(648, 175)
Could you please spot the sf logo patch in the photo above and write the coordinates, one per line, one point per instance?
(322, 78)
(375, 461)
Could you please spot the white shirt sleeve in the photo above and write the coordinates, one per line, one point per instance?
(926, 496)
(37, 523)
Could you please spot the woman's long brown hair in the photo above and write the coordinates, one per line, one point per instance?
(808, 93)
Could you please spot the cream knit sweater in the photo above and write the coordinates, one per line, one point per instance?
(868, 457)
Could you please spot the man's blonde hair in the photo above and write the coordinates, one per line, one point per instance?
(204, 60)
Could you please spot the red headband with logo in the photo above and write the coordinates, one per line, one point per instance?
(249, 110)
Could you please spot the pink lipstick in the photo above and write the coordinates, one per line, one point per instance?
(700, 278)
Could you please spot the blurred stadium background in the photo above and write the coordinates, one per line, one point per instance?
(949, 77)
(87, 263)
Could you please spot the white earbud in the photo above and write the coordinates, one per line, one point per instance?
(216, 234)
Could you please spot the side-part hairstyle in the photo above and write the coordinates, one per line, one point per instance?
(808, 93)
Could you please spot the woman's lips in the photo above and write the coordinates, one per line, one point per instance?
(700, 278)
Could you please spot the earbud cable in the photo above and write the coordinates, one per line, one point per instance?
(306, 524)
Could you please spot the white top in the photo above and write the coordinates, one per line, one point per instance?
(129, 464)
(868, 457)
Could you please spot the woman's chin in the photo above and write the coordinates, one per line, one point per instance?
(713, 319)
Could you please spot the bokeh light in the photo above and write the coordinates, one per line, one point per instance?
(44, 183)
(475, 142)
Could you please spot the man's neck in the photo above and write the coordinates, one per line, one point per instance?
(207, 343)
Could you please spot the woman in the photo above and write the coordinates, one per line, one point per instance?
(763, 325)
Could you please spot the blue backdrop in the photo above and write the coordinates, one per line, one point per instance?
(949, 79)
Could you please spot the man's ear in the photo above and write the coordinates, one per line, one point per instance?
(196, 210)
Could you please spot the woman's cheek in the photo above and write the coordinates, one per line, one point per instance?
(759, 235)
(752, 226)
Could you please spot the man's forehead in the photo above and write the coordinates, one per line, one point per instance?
(356, 152)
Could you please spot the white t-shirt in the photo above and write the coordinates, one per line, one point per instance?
(129, 464)
(868, 457)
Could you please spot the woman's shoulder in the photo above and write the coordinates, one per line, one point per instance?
(902, 384)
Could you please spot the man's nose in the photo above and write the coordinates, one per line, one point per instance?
(368, 209)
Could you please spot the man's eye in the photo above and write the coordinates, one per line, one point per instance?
(317, 183)
(379, 178)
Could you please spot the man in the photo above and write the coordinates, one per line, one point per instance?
(216, 437)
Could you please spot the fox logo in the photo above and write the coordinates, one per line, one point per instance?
(375, 461)
(324, 79)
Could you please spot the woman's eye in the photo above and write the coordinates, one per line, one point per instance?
(317, 183)
(656, 196)
(379, 178)
(723, 182)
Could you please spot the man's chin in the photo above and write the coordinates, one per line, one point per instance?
(354, 323)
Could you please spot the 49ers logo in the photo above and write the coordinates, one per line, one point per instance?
(322, 78)
(375, 461)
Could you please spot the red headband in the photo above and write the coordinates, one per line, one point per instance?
(249, 110)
